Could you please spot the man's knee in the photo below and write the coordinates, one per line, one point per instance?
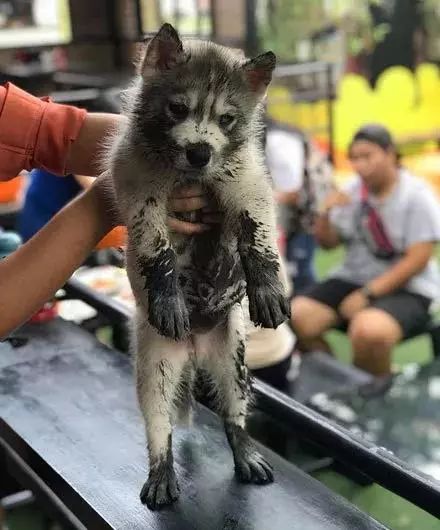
(373, 328)
(310, 318)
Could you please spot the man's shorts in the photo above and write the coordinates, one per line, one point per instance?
(411, 310)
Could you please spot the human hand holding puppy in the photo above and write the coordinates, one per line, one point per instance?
(191, 199)
(184, 199)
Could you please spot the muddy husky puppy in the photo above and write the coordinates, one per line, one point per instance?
(194, 116)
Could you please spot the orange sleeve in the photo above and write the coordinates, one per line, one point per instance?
(35, 132)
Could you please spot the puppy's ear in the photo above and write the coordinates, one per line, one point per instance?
(258, 72)
(162, 52)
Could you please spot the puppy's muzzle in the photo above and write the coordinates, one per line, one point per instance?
(198, 155)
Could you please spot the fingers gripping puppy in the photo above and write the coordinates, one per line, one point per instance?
(194, 115)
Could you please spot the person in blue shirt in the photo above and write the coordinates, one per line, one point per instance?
(46, 195)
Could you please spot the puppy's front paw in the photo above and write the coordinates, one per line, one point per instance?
(169, 315)
(268, 306)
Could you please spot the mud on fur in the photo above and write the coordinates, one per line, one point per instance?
(194, 115)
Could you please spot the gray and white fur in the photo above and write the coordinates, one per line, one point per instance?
(194, 116)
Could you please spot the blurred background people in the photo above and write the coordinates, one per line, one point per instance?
(301, 178)
(389, 222)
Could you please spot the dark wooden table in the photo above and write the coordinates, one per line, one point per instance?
(71, 431)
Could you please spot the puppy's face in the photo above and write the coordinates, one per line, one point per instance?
(198, 100)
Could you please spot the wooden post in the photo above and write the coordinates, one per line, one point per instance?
(229, 22)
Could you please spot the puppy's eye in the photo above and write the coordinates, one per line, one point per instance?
(178, 110)
(226, 120)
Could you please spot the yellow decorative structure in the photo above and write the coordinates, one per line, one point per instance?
(405, 102)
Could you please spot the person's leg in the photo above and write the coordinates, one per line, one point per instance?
(373, 334)
(376, 330)
(310, 320)
(315, 312)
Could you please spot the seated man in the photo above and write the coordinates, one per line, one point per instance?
(389, 223)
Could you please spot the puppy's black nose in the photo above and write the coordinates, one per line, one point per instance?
(198, 155)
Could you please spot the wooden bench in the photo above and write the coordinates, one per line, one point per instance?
(71, 432)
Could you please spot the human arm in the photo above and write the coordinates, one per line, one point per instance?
(37, 133)
(287, 198)
(84, 181)
(414, 261)
(325, 232)
(416, 258)
(82, 157)
(422, 232)
(32, 274)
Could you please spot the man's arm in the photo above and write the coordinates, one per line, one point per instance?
(414, 261)
(326, 235)
(422, 232)
(288, 198)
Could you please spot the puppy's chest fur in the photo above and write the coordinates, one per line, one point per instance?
(210, 274)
